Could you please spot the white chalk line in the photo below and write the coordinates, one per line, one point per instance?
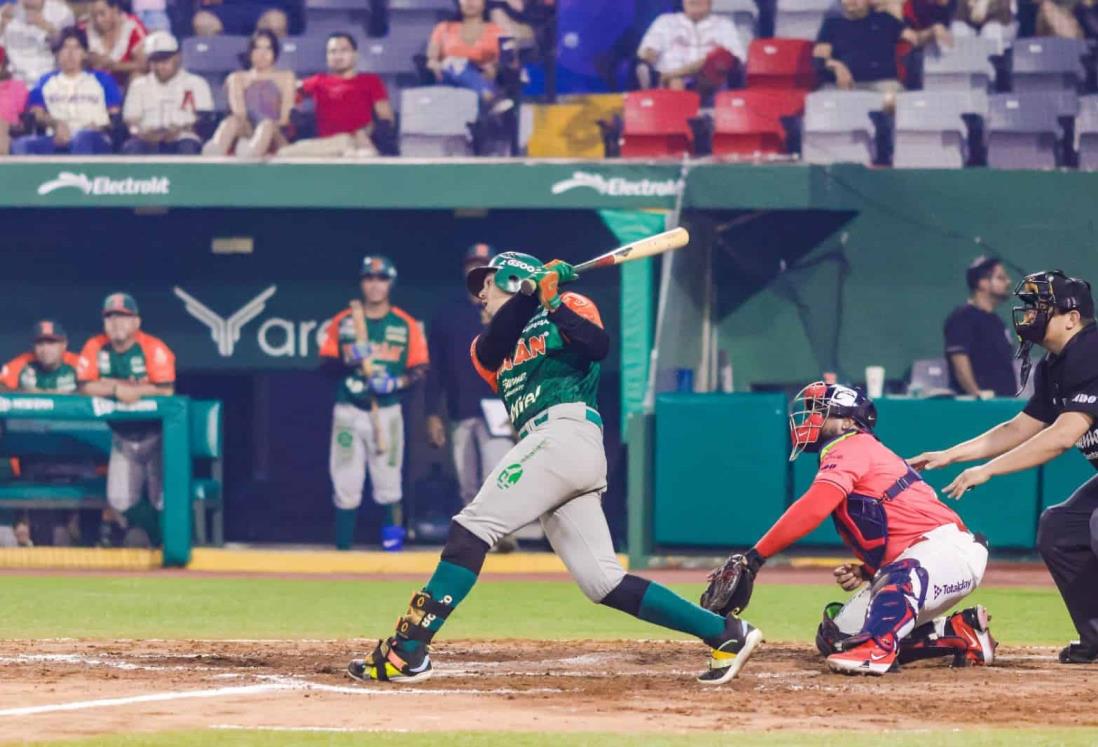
(80, 705)
(306, 729)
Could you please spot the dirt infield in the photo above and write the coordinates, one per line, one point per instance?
(59, 688)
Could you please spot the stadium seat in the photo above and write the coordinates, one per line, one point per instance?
(749, 122)
(434, 121)
(1086, 132)
(800, 19)
(780, 63)
(656, 123)
(838, 127)
(931, 130)
(964, 66)
(1023, 129)
(1047, 64)
(744, 13)
(213, 55)
(305, 55)
(356, 5)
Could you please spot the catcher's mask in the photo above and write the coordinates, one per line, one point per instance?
(817, 402)
(1043, 294)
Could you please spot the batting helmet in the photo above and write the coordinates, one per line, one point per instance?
(377, 265)
(510, 269)
(819, 401)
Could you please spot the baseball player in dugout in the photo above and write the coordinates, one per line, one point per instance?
(541, 352)
(127, 364)
(451, 380)
(381, 352)
(48, 367)
(916, 558)
(1057, 313)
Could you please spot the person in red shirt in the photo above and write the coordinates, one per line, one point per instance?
(917, 555)
(116, 40)
(347, 104)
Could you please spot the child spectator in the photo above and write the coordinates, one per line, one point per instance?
(13, 99)
(115, 40)
(464, 52)
(260, 100)
(346, 103)
(28, 31)
(74, 104)
(163, 106)
(694, 48)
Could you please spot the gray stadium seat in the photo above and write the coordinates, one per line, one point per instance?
(800, 19)
(434, 121)
(1047, 64)
(1086, 132)
(305, 55)
(966, 65)
(930, 129)
(204, 55)
(1023, 129)
(743, 13)
(354, 5)
(837, 127)
(391, 55)
(440, 6)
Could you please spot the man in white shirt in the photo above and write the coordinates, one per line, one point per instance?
(163, 106)
(75, 105)
(693, 48)
(28, 30)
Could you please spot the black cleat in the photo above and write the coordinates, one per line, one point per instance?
(384, 664)
(1078, 653)
(728, 658)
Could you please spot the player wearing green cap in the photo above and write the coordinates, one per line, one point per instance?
(49, 367)
(541, 352)
(380, 352)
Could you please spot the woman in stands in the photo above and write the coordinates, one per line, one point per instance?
(260, 100)
(464, 52)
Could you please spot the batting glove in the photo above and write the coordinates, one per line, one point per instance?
(548, 294)
(566, 271)
(382, 383)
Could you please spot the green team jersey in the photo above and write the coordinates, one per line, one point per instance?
(542, 371)
(27, 374)
(396, 342)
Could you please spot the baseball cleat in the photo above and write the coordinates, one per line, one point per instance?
(726, 661)
(1077, 652)
(972, 626)
(386, 665)
(868, 657)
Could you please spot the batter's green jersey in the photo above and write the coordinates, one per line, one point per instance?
(542, 371)
(397, 344)
(27, 374)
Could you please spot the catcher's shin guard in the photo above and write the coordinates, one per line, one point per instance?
(727, 659)
(404, 657)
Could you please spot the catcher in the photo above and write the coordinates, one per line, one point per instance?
(916, 554)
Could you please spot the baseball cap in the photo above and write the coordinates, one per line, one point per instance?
(480, 252)
(1073, 293)
(979, 268)
(120, 303)
(375, 264)
(160, 44)
(47, 329)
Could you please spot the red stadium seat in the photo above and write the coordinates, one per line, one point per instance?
(780, 63)
(748, 122)
(655, 123)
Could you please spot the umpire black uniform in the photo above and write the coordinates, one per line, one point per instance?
(1067, 536)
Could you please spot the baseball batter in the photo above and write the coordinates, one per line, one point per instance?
(381, 360)
(542, 353)
(917, 555)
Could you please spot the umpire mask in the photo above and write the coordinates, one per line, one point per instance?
(1042, 295)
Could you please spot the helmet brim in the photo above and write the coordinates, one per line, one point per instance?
(474, 279)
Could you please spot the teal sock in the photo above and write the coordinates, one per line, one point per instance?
(346, 518)
(663, 607)
(448, 580)
(394, 517)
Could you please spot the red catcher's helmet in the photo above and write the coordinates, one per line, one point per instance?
(819, 401)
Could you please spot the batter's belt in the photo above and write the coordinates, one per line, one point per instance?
(568, 411)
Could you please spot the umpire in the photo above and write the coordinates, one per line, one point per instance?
(1057, 313)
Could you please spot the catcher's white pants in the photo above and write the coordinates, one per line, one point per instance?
(354, 448)
(476, 453)
(954, 563)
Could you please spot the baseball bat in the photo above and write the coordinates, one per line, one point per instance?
(668, 241)
(358, 316)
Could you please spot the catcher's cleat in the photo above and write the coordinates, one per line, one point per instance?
(971, 626)
(727, 659)
(1078, 653)
(864, 657)
(384, 664)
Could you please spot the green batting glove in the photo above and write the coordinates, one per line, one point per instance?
(566, 271)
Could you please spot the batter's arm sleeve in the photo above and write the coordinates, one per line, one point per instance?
(503, 333)
(802, 517)
(578, 320)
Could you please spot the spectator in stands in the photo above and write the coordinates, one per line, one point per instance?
(75, 105)
(128, 365)
(934, 15)
(509, 15)
(347, 102)
(857, 50)
(28, 31)
(977, 343)
(163, 106)
(17, 534)
(49, 367)
(1058, 18)
(464, 52)
(243, 17)
(115, 40)
(1086, 14)
(13, 99)
(991, 19)
(694, 48)
(261, 98)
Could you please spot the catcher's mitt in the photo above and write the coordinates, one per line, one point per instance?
(730, 586)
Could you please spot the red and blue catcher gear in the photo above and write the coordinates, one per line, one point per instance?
(817, 402)
(861, 520)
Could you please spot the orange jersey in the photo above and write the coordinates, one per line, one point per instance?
(148, 360)
(23, 372)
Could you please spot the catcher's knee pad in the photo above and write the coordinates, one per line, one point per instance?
(828, 634)
(419, 622)
(465, 549)
(898, 593)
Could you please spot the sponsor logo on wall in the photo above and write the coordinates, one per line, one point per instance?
(617, 186)
(105, 185)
